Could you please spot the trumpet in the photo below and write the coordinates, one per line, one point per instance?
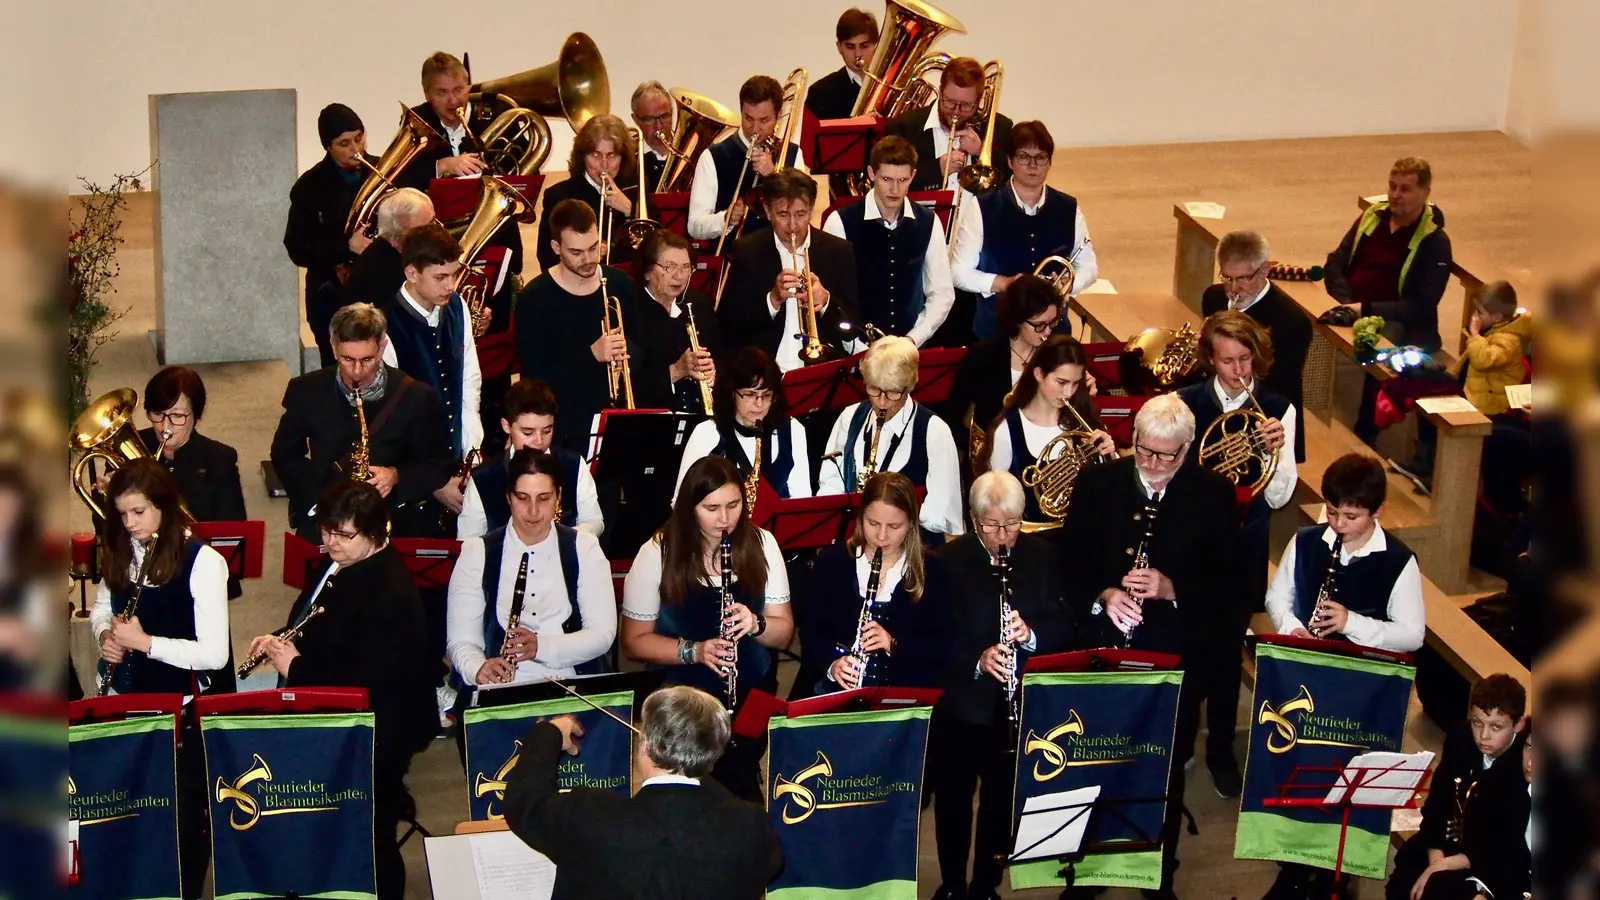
(1141, 557)
(752, 481)
(869, 465)
(863, 658)
(694, 347)
(619, 375)
(1325, 592)
(110, 673)
(981, 176)
(730, 684)
(813, 352)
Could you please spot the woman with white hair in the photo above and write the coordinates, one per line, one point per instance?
(1154, 549)
(891, 432)
(969, 738)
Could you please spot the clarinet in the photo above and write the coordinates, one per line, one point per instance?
(1325, 592)
(730, 684)
(874, 576)
(294, 631)
(1141, 558)
(515, 618)
(110, 672)
(1013, 699)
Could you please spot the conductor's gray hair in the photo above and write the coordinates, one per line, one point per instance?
(997, 489)
(402, 211)
(685, 730)
(1243, 246)
(1165, 418)
(647, 89)
(358, 322)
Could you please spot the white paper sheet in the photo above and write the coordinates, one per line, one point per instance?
(502, 868)
(1040, 833)
(1390, 788)
(1377, 198)
(1520, 396)
(1202, 209)
(1446, 404)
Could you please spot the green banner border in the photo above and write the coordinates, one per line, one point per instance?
(1336, 661)
(1265, 835)
(883, 890)
(287, 720)
(535, 708)
(94, 731)
(1132, 870)
(852, 718)
(331, 895)
(1054, 679)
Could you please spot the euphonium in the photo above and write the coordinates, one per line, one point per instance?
(980, 176)
(640, 226)
(910, 28)
(110, 673)
(869, 465)
(917, 91)
(730, 684)
(413, 137)
(1141, 557)
(1325, 591)
(105, 431)
(619, 375)
(752, 481)
(517, 142)
(863, 658)
(694, 348)
(701, 121)
(1233, 448)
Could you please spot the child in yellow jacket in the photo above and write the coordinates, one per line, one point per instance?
(1499, 336)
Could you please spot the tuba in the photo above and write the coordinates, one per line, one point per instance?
(517, 142)
(980, 176)
(498, 203)
(701, 121)
(573, 86)
(1160, 360)
(413, 137)
(105, 431)
(1232, 447)
(910, 29)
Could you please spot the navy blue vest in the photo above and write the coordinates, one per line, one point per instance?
(165, 610)
(1201, 398)
(889, 265)
(1014, 242)
(777, 454)
(1363, 586)
(432, 355)
(490, 480)
(728, 157)
(699, 618)
(916, 467)
(1022, 458)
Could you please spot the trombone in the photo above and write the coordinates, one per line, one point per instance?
(980, 176)
(640, 226)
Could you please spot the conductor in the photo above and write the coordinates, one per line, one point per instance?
(681, 836)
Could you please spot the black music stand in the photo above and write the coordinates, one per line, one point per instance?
(429, 560)
(936, 373)
(1348, 779)
(642, 684)
(637, 452)
(1114, 807)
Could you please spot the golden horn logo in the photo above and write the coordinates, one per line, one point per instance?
(1055, 757)
(497, 785)
(1284, 733)
(244, 803)
(799, 801)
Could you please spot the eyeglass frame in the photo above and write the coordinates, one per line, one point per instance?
(1162, 455)
(877, 393)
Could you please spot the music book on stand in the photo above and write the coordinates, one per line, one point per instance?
(241, 544)
(825, 386)
(454, 198)
(841, 146)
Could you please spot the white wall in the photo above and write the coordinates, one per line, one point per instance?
(1097, 71)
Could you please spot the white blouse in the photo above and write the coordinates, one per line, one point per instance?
(641, 591)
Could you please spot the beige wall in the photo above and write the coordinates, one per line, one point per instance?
(1097, 71)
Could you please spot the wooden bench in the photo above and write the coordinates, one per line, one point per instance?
(1118, 317)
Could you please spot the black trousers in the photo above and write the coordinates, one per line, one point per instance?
(964, 757)
(389, 802)
(194, 808)
(1222, 681)
(1409, 863)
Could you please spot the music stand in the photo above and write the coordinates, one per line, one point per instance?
(707, 269)
(121, 706)
(831, 385)
(1341, 648)
(936, 373)
(641, 684)
(802, 523)
(282, 700)
(636, 453)
(1105, 363)
(240, 543)
(456, 198)
(301, 560)
(429, 560)
(1117, 414)
(760, 707)
(672, 211)
(840, 146)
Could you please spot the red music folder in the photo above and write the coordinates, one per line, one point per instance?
(240, 544)
(672, 211)
(936, 373)
(1111, 659)
(429, 560)
(1342, 648)
(1117, 414)
(760, 707)
(803, 522)
(840, 146)
(301, 560)
(943, 203)
(281, 700)
(830, 385)
(454, 198)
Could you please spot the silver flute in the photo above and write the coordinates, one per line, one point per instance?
(294, 631)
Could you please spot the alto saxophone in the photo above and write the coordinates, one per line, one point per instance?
(361, 453)
(869, 466)
(1141, 557)
(514, 620)
(1013, 698)
(863, 658)
(752, 481)
(730, 672)
(132, 610)
(1325, 592)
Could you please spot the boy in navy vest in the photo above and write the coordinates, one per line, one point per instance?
(529, 424)
(430, 339)
(716, 203)
(902, 262)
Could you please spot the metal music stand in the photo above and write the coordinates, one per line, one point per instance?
(429, 560)
(936, 373)
(635, 463)
(840, 146)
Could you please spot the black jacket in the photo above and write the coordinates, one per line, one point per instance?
(981, 383)
(376, 276)
(577, 187)
(319, 203)
(371, 635)
(319, 427)
(419, 174)
(1414, 318)
(669, 842)
(1197, 545)
(745, 314)
(1037, 595)
(662, 339)
(207, 473)
(833, 95)
(1291, 341)
(913, 127)
(1460, 758)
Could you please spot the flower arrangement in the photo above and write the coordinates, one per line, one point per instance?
(1367, 331)
(93, 225)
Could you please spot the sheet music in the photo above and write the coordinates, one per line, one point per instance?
(1446, 405)
(1205, 210)
(1391, 788)
(508, 869)
(1520, 396)
(1053, 825)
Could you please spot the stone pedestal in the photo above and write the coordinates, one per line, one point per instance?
(225, 289)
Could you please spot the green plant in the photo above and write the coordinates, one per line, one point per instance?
(1367, 330)
(93, 224)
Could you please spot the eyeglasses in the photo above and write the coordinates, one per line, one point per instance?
(878, 393)
(341, 535)
(664, 117)
(171, 418)
(1148, 453)
(998, 527)
(1230, 281)
(960, 108)
(1031, 159)
(1044, 327)
(675, 268)
(750, 395)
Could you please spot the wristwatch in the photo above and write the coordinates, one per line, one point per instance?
(761, 626)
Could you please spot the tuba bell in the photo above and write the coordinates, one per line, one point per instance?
(701, 121)
(910, 29)
(413, 137)
(573, 86)
(498, 203)
(105, 431)
(980, 176)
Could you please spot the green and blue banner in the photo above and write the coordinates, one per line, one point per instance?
(494, 745)
(291, 804)
(122, 790)
(1318, 709)
(844, 794)
(1111, 729)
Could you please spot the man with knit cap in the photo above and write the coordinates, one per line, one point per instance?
(318, 205)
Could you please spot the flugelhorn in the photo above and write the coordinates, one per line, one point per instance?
(410, 140)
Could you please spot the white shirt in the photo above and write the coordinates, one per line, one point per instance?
(1033, 435)
(941, 146)
(969, 243)
(705, 220)
(670, 779)
(1407, 625)
(545, 606)
(474, 519)
(938, 290)
(641, 591)
(941, 507)
(471, 373)
(791, 343)
(457, 133)
(1245, 305)
(704, 439)
(888, 579)
(1280, 489)
(208, 584)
